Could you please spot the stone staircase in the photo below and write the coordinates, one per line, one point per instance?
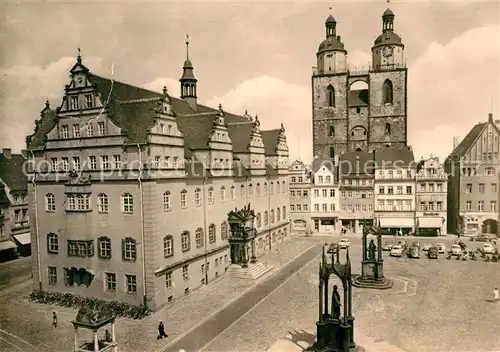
(253, 272)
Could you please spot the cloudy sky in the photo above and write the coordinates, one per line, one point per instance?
(255, 56)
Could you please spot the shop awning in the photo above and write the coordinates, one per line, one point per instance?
(23, 238)
(430, 223)
(4, 245)
(396, 223)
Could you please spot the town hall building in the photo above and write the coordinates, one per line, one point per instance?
(130, 189)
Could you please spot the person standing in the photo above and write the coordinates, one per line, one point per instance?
(161, 331)
(54, 320)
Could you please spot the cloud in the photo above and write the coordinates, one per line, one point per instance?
(450, 89)
(24, 91)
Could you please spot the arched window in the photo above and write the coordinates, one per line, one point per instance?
(184, 203)
(197, 197)
(332, 131)
(199, 237)
(250, 190)
(257, 189)
(271, 216)
(185, 241)
(224, 230)
(127, 203)
(52, 243)
(284, 212)
(266, 218)
(242, 191)
(259, 220)
(283, 186)
(330, 96)
(387, 129)
(104, 247)
(332, 153)
(168, 246)
(387, 92)
(102, 203)
(271, 188)
(211, 195)
(167, 201)
(265, 188)
(232, 193)
(211, 234)
(278, 214)
(50, 202)
(223, 194)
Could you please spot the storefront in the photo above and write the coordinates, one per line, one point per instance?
(8, 250)
(24, 243)
(325, 225)
(397, 225)
(429, 226)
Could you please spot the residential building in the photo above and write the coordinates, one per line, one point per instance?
(131, 189)
(431, 197)
(473, 183)
(300, 196)
(356, 179)
(15, 238)
(325, 198)
(395, 171)
(359, 108)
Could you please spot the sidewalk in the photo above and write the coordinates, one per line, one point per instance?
(140, 335)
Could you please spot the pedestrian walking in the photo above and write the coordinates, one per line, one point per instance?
(54, 320)
(161, 331)
(495, 294)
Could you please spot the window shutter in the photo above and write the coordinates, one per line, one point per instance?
(90, 248)
(48, 246)
(135, 249)
(123, 249)
(110, 248)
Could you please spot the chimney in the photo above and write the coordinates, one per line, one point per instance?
(7, 152)
(456, 142)
(339, 38)
(24, 153)
(490, 117)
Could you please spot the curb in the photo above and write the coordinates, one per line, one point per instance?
(258, 281)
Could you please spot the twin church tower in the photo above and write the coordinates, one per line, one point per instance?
(359, 110)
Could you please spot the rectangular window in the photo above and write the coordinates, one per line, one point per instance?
(101, 128)
(168, 280)
(76, 131)
(92, 162)
(185, 272)
(64, 131)
(407, 205)
(74, 103)
(409, 189)
(481, 188)
(129, 249)
(131, 281)
(325, 207)
(90, 130)
(381, 205)
(104, 162)
(381, 190)
(104, 248)
(399, 190)
(493, 205)
(52, 275)
(65, 164)
(304, 207)
(316, 207)
(439, 206)
(320, 179)
(468, 188)
(422, 206)
(480, 205)
(332, 193)
(328, 179)
(292, 207)
(390, 190)
(89, 101)
(54, 164)
(468, 205)
(110, 281)
(76, 163)
(316, 193)
(325, 193)
(493, 188)
(80, 248)
(78, 202)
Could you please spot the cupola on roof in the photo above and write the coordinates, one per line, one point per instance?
(388, 37)
(332, 42)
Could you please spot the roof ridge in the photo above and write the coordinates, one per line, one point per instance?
(143, 100)
(126, 84)
(198, 114)
(239, 123)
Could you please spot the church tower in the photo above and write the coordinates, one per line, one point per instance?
(188, 81)
(388, 88)
(360, 109)
(329, 83)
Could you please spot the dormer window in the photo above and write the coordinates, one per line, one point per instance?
(90, 130)
(101, 128)
(89, 101)
(74, 103)
(64, 131)
(76, 131)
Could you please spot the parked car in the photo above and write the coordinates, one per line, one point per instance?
(426, 247)
(344, 243)
(333, 248)
(488, 248)
(396, 251)
(441, 248)
(387, 246)
(456, 249)
(480, 238)
(414, 252)
(433, 253)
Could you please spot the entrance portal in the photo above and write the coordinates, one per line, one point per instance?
(489, 226)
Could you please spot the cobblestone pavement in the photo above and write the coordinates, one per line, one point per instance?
(14, 272)
(435, 305)
(31, 322)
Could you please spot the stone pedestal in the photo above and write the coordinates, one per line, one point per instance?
(372, 276)
(350, 321)
(332, 336)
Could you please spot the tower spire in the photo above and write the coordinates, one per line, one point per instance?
(187, 46)
(79, 57)
(188, 80)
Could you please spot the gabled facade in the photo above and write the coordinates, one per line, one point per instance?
(356, 175)
(395, 171)
(472, 170)
(300, 197)
(14, 216)
(131, 188)
(431, 197)
(325, 207)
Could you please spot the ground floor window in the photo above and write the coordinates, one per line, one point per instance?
(131, 282)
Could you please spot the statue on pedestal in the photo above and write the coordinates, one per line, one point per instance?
(371, 250)
(336, 303)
